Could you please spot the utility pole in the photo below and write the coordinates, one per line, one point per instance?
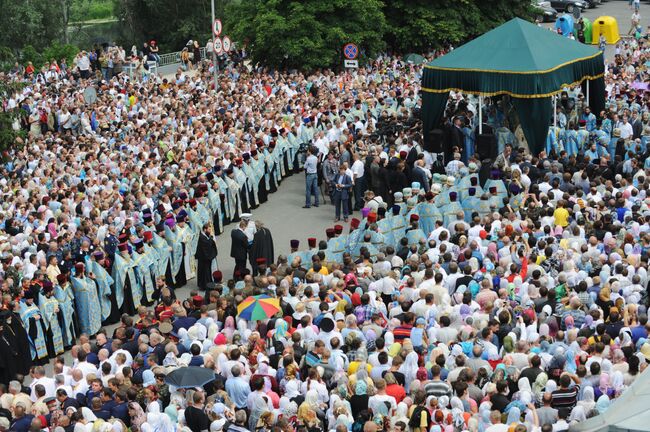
(214, 52)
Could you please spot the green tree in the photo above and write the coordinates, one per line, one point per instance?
(306, 34)
(171, 22)
(31, 22)
(421, 25)
(8, 136)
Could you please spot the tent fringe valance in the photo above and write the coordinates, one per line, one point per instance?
(532, 72)
(516, 95)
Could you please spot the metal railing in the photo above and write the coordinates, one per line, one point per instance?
(174, 57)
(165, 60)
(131, 68)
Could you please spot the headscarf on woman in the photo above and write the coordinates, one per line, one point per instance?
(578, 415)
(539, 385)
(281, 329)
(401, 414)
(139, 417)
(551, 386)
(616, 381)
(604, 383)
(259, 407)
(602, 404)
(409, 368)
(588, 401)
(484, 421)
(514, 416)
(571, 365)
(229, 328)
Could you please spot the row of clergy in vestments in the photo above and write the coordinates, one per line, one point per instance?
(82, 303)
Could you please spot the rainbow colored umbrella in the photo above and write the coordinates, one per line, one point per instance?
(255, 308)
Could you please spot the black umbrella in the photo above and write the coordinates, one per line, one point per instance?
(190, 376)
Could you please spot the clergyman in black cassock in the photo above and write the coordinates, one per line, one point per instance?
(239, 247)
(206, 251)
(16, 334)
(9, 355)
(262, 246)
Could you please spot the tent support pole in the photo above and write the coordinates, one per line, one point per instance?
(480, 115)
(587, 95)
(555, 111)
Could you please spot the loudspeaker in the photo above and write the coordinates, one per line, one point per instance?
(486, 146)
(434, 141)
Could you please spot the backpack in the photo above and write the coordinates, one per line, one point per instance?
(414, 421)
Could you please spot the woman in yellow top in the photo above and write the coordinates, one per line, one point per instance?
(561, 215)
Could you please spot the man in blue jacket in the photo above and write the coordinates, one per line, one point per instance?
(342, 187)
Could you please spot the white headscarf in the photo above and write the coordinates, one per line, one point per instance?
(588, 401)
(409, 368)
(577, 415)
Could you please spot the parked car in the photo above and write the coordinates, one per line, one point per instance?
(593, 3)
(569, 6)
(544, 11)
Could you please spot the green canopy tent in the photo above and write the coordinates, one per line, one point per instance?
(519, 59)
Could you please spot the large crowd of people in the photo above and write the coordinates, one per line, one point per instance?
(465, 294)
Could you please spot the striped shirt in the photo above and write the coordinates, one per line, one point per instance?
(565, 398)
(438, 389)
(402, 332)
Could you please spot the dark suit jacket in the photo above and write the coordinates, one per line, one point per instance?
(206, 248)
(418, 175)
(121, 411)
(239, 247)
(344, 191)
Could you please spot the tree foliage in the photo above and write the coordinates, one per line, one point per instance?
(421, 25)
(9, 137)
(31, 22)
(306, 34)
(170, 22)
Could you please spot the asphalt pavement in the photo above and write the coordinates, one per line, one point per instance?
(619, 10)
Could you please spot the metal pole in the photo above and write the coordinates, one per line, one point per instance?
(480, 115)
(587, 95)
(214, 53)
(555, 111)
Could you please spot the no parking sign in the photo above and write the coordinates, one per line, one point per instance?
(350, 51)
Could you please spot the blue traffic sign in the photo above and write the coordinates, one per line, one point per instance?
(350, 51)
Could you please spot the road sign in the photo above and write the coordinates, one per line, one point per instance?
(216, 27)
(350, 51)
(218, 45)
(226, 44)
(351, 64)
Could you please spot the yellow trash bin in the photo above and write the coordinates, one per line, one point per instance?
(607, 26)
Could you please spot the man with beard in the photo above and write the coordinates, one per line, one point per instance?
(262, 246)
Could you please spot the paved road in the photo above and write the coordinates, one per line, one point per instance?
(619, 10)
(284, 216)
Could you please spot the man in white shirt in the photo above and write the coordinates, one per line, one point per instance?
(322, 144)
(84, 366)
(435, 234)
(626, 128)
(380, 401)
(358, 172)
(47, 382)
